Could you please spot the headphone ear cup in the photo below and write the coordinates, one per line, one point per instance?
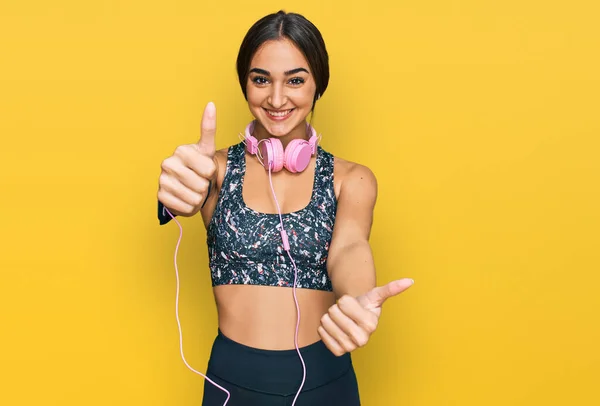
(272, 153)
(297, 156)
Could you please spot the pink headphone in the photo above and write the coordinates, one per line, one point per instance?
(296, 156)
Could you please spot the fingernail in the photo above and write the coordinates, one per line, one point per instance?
(413, 281)
(210, 111)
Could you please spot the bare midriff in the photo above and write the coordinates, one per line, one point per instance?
(265, 316)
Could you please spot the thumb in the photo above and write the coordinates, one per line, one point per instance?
(376, 296)
(206, 144)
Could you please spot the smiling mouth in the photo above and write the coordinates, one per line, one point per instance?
(280, 113)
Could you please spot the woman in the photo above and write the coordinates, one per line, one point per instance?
(276, 345)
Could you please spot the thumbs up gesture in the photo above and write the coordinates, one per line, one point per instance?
(349, 323)
(184, 178)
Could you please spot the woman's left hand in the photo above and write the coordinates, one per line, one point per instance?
(349, 323)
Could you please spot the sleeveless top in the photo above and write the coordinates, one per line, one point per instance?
(245, 246)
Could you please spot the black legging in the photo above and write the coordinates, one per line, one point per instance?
(256, 377)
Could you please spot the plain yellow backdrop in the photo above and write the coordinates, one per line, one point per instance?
(479, 118)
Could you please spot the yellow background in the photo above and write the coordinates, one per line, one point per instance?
(479, 118)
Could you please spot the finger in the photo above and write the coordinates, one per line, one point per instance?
(206, 144)
(201, 164)
(337, 334)
(330, 342)
(173, 203)
(192, 181)
(377, 296)
(348, 326)
(190, 178)
(365, 319)
(172, 186)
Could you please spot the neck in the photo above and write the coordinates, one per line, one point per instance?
(299, 132)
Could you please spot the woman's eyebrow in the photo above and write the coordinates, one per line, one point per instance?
(287, 73)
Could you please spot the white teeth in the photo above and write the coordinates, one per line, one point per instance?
(278, 114)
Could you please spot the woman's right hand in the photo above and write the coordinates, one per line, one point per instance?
(184, 178)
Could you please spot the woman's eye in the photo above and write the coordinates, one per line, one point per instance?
(259, 80)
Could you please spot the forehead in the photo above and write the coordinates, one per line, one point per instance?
(278, 56)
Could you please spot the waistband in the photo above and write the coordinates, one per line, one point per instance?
(277, 372)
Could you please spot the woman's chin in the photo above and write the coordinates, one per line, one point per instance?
(280, 128)
(275, 129)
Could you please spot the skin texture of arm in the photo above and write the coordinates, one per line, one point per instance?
(350, 261)
(350, 322)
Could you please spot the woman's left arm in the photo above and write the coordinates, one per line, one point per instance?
(350, 322)
(350, 261)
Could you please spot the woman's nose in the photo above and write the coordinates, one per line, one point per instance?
(277, 97)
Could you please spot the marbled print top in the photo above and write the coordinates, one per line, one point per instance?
(245, 246)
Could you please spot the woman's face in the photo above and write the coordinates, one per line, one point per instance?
(280, 88)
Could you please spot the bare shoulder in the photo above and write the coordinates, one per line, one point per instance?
(353, 177)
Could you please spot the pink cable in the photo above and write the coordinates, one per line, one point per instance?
(286, 246)
(177, 314)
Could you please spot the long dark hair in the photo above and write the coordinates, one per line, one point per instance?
(295, 27)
